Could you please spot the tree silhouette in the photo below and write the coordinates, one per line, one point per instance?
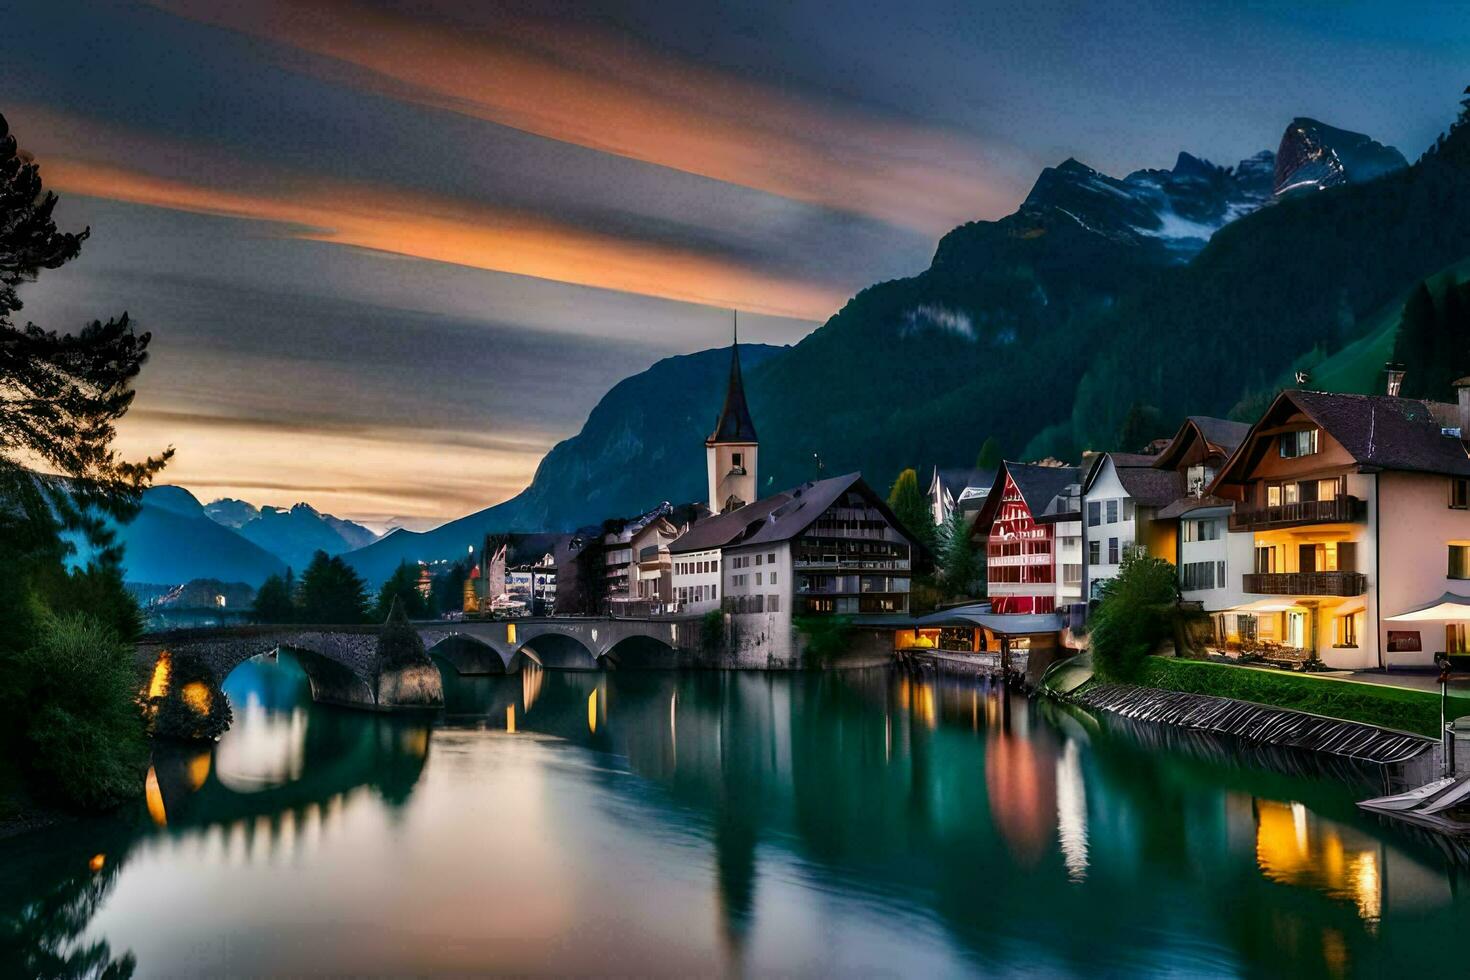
(911, 507)
(332, 593)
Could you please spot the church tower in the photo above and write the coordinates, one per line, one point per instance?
(730, 451)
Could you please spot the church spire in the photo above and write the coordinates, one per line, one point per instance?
(734, 424)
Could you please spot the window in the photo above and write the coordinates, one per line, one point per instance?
(1128, 509)
(1112, 551)
(1094, 513)
(772, 579)
(1112, 512)
(758, 558)
(757, 578)
(1459, 561)
(1345, 631)
(773, 603)
(1460, 494)
(1072, 574)
(771, 558)
(1265, 560)
(1094, 552)
(1294, 444)
(737, 462)
(1203, 529)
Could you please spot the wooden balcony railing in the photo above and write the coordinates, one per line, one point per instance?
(1340, 509)
(1305, 583)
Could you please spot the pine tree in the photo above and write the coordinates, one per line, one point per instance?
(959, 563)
(1415, 344)
(61, 395)
(273, 603)
(332, 593)
(403, 585)
(1140, 426)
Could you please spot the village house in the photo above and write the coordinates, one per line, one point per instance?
(1064, 514)
(1207, 553)
(1020, 548)
(1357, 511)
(1120, 498)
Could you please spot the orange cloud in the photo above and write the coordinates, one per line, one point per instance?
(464, 233)
(614, 95)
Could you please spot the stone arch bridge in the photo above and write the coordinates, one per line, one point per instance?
(353, 665)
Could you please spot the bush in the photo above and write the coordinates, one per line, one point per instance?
(75, 693)
(1137, 612)
(193, 708)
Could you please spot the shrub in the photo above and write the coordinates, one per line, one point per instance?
(192, 708)
(826, 637)
(1137, 611)
(76, 690)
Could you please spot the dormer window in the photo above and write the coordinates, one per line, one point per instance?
(1294, 444)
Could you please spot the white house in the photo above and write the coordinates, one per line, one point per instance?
(1121, 495)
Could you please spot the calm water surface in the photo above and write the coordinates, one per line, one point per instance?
(709, 823)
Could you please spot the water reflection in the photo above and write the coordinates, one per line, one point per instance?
(699, 822)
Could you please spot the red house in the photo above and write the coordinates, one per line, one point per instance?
(1020, 546)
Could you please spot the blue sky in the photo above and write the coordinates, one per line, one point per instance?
(390, 253)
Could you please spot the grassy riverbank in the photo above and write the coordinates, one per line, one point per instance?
(1374, 704)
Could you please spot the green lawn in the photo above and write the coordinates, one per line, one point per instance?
(1375, 704)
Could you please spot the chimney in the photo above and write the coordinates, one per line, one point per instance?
(1395, 374)
(1462, 397)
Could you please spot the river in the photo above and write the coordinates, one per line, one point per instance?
(861, 822)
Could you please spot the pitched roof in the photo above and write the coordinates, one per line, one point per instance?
(1188, 504)
(808, 502)
(1149, 486)
(734, 423)
(1379, 431)
(1221, 435)
(719, 530)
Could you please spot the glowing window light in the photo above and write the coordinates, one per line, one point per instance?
(510, 632)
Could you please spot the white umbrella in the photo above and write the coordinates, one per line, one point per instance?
(1447, 606)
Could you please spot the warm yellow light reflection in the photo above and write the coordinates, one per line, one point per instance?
(592, 712)
(510, 718)
(1296, 848)
(154, 796)
(98, 862)
(510, 633)
(158, 685)
(199, 770)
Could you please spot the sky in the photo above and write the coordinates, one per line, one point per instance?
(390, 253)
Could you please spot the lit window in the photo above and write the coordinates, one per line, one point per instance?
(1293, 444)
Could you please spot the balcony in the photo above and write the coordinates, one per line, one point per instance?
(1305, 583)
(1339, 510)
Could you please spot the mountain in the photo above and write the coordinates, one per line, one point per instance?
(294, 535)
(231, 512)
(1098, 297)
(1179, 208)
(642, 444)
(172, 541)
(1313, 156)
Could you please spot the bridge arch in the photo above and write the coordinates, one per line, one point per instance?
(560, 651)
(469, 655)
(331, 681)
(641, 652)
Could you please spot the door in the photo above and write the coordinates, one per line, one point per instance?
(1306, 558)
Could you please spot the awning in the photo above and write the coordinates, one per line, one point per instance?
(1447, 606)
(1263, 606)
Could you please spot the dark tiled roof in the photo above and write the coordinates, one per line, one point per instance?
(1148, 486)
(720, 529)
(1038, 484)
(1224, 433)
(734, 424)
(807, 502)
(1389, 433)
